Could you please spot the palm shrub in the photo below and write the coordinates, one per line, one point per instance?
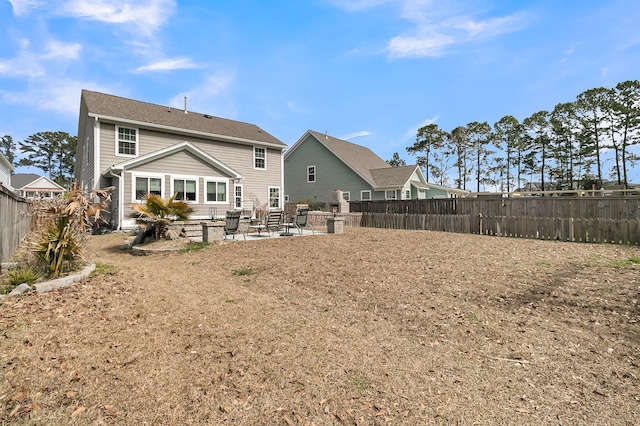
(158, 213)
(61, 228)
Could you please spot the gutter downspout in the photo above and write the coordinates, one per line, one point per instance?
(282, 179)
(120, 196)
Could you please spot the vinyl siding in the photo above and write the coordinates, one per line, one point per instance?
(239, 157)
(331, 174)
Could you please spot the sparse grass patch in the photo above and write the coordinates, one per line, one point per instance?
(243, 272)
(194, 246)
(362, 383)
(104, 269)
(631, 261)
(474, 318)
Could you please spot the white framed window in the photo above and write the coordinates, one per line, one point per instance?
(390, 195)
(126, 142)
(237, 191)
(365, 195)
(311, 174)
(286, 198)
(407, 194)
(346, 195)
(274, 197)
(259, 158)
(144, 184)
(185, 187)
(216, 191)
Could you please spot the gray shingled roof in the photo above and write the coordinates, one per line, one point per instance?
(104, 105)
(359, 157)
(389, 177)
(20, 180)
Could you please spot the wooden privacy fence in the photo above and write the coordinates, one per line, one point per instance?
(613, 231)
(15, 222)
(612, 207)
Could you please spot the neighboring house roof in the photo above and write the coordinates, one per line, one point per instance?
(175, 120)
(182, 146)
(32, 181)
(359, 158)
(393, 177)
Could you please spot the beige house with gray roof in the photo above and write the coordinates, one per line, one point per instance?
(317, 164)
(214, 164)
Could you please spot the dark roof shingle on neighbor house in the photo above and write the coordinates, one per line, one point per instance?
(20, 180)
(389, 177)
(359, 157)
(104, 105)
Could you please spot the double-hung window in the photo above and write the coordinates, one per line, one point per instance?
(274, 197)
(186, 189)
(259, 158)
(147, 185)
(311, 174)
(346, 195)
(238, 197)
(365, 195)
(390, 195)
(216, 191)
(127, 143)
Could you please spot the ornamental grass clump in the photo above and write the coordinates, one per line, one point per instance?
(61, 226)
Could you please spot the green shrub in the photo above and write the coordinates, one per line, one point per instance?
(22, 274)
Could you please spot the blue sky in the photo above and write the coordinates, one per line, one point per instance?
(371, 71)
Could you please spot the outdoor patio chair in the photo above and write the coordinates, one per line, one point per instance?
(272, 223)
(301, 221)
(232, 224)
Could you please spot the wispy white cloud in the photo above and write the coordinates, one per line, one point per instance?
(145, 15)
(437, 26)
(168, 65)
(356, 135)
(294, 107)
(433, 37)
(411, 133)
(201, 97)
(56, 95)
(23, 7)
(31, 64)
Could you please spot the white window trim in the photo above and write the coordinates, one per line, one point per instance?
(315, 174)
(117, 153)
(217, 179)
(254, 158)
(269, 197)
(235, 206)
(286, 198)
(395, 194)
(135, 175)
(348, 194)
(407, 197)
(187, 177)
(362, 195)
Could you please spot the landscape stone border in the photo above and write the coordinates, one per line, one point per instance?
(45, 286)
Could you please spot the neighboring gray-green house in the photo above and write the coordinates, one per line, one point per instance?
(318, 164)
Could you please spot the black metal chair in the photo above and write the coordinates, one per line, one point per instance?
(272, 223)
(301, 221)
(232, 224)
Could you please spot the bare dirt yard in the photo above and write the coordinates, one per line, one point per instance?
(370, 327)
